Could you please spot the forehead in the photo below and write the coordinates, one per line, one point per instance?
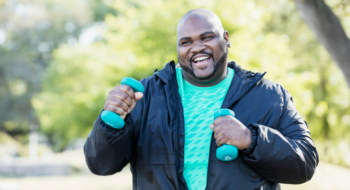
(195, 25)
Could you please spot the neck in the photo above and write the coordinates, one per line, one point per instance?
(205, 83)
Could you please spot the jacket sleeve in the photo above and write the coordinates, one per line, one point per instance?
(285, 154)
(107, 150)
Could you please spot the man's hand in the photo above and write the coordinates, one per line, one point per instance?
(228, 130)
(122, 100)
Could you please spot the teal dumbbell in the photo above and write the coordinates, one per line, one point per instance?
(226, 152)
(113, 119)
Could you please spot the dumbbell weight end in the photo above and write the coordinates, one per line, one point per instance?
(114, 120)
(226, 152)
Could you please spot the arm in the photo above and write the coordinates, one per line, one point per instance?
(286, 154)
(108, 150)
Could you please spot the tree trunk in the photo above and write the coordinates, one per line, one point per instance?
(320, 18)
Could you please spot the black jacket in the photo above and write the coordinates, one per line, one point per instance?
(153, 138)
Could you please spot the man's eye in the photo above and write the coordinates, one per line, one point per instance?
(207, 38)
(185, 43)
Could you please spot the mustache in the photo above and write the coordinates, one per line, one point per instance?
(202, 52)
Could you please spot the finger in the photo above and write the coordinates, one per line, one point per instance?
(133, 104)
(216, 128)
(124, 97)
(138, 95)
(220, 141)
(115, 109)
(211, 126)
(119, 103)
(127, 89)
(218, 133)
(218, 120)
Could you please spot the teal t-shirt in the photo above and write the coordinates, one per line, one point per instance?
(199, 105)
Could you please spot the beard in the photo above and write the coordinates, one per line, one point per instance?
(217, 66)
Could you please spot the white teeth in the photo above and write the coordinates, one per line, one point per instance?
(200, 58)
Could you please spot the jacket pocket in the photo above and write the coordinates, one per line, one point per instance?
(155, 172)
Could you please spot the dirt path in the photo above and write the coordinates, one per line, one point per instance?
(327, 177)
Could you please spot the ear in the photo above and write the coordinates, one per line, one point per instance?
(226, 36)
(227, 39)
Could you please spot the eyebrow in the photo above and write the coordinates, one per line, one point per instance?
(203, 34)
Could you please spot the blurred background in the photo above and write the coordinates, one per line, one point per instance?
(59, 59)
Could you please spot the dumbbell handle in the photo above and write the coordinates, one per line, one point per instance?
(226, 152)
(113, 119)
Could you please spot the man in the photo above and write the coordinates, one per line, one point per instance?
(170, 136)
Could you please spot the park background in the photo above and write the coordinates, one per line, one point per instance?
(60, 58)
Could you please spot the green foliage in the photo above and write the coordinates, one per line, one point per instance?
(29, 31)
(267, 35)
(100, 8)
(74, 86)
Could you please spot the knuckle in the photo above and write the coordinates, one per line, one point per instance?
(215, 135)
(216, 130)
(111, 108)
(123, 96)
(111, 92)
(114, 109)
(128, 88)
(111, 99)
(119, 103)
(116, 89)
(224, 136)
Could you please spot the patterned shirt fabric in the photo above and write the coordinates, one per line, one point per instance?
(199, 105)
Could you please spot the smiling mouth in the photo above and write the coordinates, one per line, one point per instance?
(201, 59)
(201, 62)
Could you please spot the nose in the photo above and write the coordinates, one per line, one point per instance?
(198, 47)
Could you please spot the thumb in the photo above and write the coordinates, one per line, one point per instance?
(138, 95)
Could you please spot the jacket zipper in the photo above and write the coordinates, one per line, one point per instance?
(209, 165)
(179, 104)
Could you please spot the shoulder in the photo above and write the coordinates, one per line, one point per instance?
(148, 80)
(271, 90)
(160, 77)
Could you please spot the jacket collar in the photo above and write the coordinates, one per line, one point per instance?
(242, 82)
(166, 73)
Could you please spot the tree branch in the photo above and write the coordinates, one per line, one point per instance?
(329, 31)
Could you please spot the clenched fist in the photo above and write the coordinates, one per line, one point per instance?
(122, 100)
(229, 130)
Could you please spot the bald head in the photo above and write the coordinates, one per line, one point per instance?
(200, 14)
(202, 47)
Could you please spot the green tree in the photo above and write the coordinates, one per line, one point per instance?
(267, 36)
(328, 30)
(29, 32)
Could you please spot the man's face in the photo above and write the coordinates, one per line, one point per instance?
(202, 48)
